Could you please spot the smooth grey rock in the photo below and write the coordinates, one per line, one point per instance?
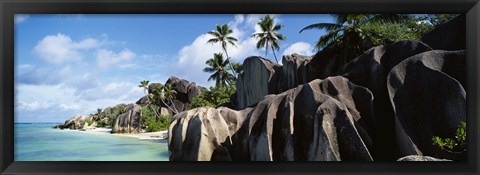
(428, 99)
(294, 71)
(76, 122)
(448, 36)
(370, 70)
(128, 122)
(258, 79)
(309, 122)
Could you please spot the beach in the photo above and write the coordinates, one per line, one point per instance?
(159, 135)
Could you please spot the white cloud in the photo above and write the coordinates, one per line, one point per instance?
(32, 106)
(20, 18)
(301, 48)
(107, 58)
(66, 100)
(60, 48)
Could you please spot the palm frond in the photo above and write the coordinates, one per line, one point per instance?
(326, 26)
(261, 43)
(280, 36)
(231, 38)
(277, 27)
(387, 18)
(213, 40)
(327, 39)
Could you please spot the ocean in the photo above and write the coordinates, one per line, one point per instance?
(39, 142)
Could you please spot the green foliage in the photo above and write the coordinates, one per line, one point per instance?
(90, 122)
(122, 110)
(102, 124)
(438, 19)
(223, 36)
(238, 67)
(412, 28)
(151, 123)
(215, 97)
(457, 144)
(218, 66)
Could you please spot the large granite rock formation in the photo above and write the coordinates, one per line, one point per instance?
(75, 122)
(315, 121)
(448, 36)
(128, 122)
(428, 98)
(258, 79)
(111, 113)
(295, 71)
(370, 70)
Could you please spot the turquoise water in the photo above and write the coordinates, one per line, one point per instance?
(39, 142)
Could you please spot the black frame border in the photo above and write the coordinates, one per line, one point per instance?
(10, 7)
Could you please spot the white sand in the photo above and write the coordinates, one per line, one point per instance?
(143, 136)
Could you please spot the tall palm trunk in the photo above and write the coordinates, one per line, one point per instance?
(173, 109)
(274, 53)
(230, 63)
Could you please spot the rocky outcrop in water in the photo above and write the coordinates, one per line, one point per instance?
(75, 122)
(310, 122)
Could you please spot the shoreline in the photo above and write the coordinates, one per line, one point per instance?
(154, 136)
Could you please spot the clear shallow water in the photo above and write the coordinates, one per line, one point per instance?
(39, 142)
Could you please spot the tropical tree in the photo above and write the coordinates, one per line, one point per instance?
(438, 19)
(218, 66)
(269, 36)
(144, 84)
(222, 36)
(99, 113)
(164, 94)
(237, 67)
(348, 35)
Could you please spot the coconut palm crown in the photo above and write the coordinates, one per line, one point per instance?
(218, 66)
(269, 36)
(222, 35)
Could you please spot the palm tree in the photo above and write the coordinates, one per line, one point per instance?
(238, 67)
(221, 35)
(269, 35)
(218, 67)
(348, 34)
(165, 93)
(144, 84)
(99, 113)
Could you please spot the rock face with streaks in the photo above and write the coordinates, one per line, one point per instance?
(428, 99)
(259, 78)
(128, 122)
(370, 70)
(315, 121)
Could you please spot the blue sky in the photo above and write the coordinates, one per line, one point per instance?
(74, 64)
